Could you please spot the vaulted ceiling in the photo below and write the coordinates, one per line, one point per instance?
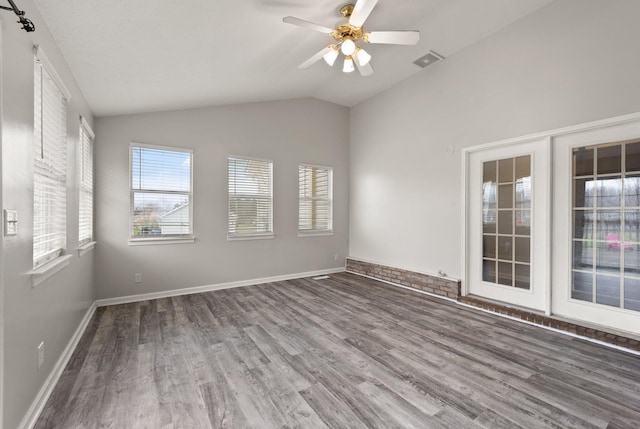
(151, 55)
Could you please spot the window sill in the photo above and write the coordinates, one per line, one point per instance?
(315, 233)
(250, 237)
(86, 248)
(41, 274)
(160, 240)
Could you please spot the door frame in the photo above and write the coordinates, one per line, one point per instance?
(539, 147)
(555, 280)
(563, 304)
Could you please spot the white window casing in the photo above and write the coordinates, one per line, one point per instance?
(250, 198)
(315, 200)
(85, 173)
(161, 194)
(50, 166)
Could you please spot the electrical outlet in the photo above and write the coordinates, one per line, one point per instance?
(138, 278)
(336, 257)
(40, 351)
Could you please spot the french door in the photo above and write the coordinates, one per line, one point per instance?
(507, 220)
(596, 273)
(552, 223)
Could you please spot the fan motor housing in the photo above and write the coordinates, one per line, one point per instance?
(348, 31)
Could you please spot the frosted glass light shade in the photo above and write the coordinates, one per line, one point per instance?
(363, 57)
(348, 46)
(330, 57)
(348, 66)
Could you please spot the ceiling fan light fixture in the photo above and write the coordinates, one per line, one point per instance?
(331, 56)
(362, 56)
(348, 33)
(348, 46)
(348, 66)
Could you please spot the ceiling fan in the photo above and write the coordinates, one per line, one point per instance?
(348, 34)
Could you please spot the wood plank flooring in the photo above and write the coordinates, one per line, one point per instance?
(345, 352)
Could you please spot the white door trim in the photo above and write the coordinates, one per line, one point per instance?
(552, 227)
(537, 297)
(563, 304)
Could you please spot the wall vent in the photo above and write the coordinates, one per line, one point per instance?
(431, 58)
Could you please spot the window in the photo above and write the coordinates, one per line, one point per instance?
(250, 198)
(506, 222)
(606, 224)
(315, 206)
(50, 164)
(85, 173)
(161, 198)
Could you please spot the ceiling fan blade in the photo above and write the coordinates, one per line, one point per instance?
(361, 12)
(365, 70)
(317, 57)
(394, 37)
(302, 23)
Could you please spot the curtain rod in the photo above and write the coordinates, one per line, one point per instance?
(27, 25)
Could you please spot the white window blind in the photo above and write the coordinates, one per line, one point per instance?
(315, 204)
(85, 158)
(50, 165)
(250, 197)
(161, 196)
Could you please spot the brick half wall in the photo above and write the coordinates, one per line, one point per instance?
(424, 282)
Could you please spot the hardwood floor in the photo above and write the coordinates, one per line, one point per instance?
(345, 352)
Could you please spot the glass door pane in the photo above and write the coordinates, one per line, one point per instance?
(606, 214)
(506, 202)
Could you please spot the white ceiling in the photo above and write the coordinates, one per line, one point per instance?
(152, 55)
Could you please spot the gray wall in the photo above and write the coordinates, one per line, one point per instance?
(287, 132)
(1, 251)
(52, 311)
(571, 62)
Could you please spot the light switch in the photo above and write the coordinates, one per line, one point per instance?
(10, 222)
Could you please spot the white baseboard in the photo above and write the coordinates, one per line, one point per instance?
(208, 288)
(41, 399)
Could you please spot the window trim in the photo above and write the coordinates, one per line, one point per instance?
(252, 235)
(84, 245)
(161, 240)
(52, 261)
(42, 273)
(86, 248)
(317, 232)
(167, 238)
(44, 60)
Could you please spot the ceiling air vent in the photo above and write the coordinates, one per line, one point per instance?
(431, 58)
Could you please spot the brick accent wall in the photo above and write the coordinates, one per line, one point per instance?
(540, 319)
(432, 284)
(452, 289)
